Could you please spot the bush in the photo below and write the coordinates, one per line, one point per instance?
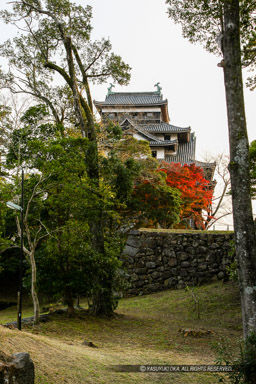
(244, 366)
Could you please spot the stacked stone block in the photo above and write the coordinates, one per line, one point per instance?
(156, 261)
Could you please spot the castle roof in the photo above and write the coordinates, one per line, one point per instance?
(165, 128)
(124, 104)
(163, 143)
(153, 141)
(185, 153)
(133, 98)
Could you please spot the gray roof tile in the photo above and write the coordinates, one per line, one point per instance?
(145, 133)
(133, 98)
(162, 143)
(155, 140)
(164, 128)
(186, 152)
(204, 164)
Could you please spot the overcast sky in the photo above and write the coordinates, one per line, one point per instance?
(142, 33)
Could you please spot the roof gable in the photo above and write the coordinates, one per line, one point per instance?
(165, 128)
(127, 123)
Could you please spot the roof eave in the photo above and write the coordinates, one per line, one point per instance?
(164, 144)
(157, 104)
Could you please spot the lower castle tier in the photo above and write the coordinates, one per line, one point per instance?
(144, 115)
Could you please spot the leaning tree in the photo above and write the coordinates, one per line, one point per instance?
(56, 44)
(223, 27)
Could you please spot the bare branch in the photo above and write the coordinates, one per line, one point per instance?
(36, 239)
(220, 217)
(95, 58)
(102, 74)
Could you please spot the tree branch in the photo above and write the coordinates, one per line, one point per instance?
(60, 70)
(99, 75)
(95, 58)
(84, 75)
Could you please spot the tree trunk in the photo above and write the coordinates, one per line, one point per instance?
(76, 96)
(103, 296)
(245, 239)
(70, 302)
(33, 287)
(103, 302)
(31, 254)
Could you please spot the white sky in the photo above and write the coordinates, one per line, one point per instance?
(152, 45)
(147, 39)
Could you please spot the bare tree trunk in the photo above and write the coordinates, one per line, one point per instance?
(31, 258)
(33, 287)
(31, 254)
(245, 239)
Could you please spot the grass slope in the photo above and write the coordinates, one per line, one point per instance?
(145, 331)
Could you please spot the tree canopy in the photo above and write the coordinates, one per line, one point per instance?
(196, 191)
(203, 22)
(56, 46)
(56, 39)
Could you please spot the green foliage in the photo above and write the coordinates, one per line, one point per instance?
(157, 203)
(47, 28)
(73, 200)
(108, 270)
(114, 131)
(66, 201)
(9, 242)
(199, 20)
(25, 143)
(232, 271)
(67, 260)
(5, 126)
(6, 216)
(57, 39)
(244, 366)
(144, 197)
(120, 176)
(202, 21)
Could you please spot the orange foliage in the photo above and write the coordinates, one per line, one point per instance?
(195, 190)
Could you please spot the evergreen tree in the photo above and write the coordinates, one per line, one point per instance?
(60, 31)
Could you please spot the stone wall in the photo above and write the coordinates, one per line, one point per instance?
(158, 260)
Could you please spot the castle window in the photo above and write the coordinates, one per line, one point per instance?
(111, 115)
(154, 153)
(150, 114)
(167, 137)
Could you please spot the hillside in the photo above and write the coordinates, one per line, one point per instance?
(144, 331)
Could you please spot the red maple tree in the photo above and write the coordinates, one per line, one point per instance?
(196, 191)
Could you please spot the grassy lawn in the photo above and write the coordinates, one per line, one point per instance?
(145, 330)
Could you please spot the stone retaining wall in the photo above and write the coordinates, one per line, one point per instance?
(160, 260)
